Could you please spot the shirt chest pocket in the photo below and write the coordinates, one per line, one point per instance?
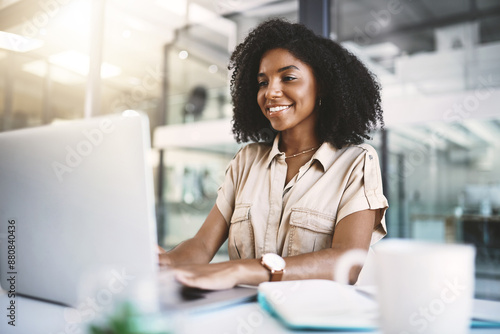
(241, 243)
(309, 231)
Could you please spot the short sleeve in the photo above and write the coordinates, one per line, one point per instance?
(364, 190)
(226, 194)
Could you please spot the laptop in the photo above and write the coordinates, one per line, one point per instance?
(77, 212)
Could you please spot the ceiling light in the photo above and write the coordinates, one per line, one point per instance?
(79, 63)
(71, 60)
(18, 43)
(71, 68)
(57, 74)
(183, 54)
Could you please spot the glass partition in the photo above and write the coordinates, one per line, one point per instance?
(438, 65)
(445, 187)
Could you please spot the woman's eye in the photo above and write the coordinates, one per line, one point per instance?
(262, 83)
(287, 78)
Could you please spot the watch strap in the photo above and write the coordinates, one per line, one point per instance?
(276, 275)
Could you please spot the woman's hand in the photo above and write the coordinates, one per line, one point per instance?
(223, 275)
(216, 276)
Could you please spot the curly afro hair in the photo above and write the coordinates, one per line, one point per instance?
(350, 95)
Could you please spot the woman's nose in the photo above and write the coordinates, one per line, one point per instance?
(273, 90)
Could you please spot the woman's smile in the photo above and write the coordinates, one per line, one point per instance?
(277, 111)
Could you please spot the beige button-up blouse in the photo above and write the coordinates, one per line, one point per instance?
(266, 215)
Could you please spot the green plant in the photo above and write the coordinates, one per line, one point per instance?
(128, 320)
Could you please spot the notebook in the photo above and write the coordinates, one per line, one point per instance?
(319, 305)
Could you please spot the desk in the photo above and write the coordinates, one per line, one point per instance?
(37, 317)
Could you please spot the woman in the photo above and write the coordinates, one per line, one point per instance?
(314, 191)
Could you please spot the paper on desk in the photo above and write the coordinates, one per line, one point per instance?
(319, 304)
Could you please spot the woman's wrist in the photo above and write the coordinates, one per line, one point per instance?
(251, 272)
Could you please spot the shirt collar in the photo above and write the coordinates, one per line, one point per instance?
(274, 150)
(325, 154)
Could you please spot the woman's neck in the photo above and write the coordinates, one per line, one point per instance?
(292, 143)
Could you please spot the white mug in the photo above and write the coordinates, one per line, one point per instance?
(424, 287)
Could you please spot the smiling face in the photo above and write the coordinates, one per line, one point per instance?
(287, 91)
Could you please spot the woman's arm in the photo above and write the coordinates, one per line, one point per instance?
(202, 247)
(352, 232)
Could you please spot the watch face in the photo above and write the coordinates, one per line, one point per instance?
(274, 261)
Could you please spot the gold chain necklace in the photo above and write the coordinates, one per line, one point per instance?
(306, 151)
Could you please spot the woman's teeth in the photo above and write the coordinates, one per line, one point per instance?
(274, 109)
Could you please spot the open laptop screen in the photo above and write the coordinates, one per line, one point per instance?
(76, 196)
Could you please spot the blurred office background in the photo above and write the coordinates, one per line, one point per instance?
(438, 63)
